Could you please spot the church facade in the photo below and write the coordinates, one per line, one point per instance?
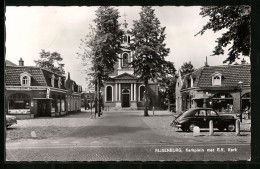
(123, 90)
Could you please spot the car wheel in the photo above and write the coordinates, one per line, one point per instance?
(191, 127)
(183, 128)
(231, 127)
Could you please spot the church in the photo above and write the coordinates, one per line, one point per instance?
(123, 90)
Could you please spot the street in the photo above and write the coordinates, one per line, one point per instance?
(125, 136)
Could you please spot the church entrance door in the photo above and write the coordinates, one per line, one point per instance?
(126, 98)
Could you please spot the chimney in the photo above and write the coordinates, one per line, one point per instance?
(206, 63)
(243, 62)
(21, 62)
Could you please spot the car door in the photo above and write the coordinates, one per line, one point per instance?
(212, 115)
(203, 116)
(199, 119)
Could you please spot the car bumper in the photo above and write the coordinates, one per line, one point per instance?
(174, 124)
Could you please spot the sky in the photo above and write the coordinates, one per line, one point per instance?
(60, 29)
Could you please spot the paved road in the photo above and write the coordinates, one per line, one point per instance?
(123, 136)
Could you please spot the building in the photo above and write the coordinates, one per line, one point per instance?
(87, 100)
(215, 86)
(73, 95)
(35, 92)
(122, 89)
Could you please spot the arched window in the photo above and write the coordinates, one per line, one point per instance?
(216, 79)
(125, 60)
(125, 39)
(25, 79)
(109, 93)
(141, 92)
(246, 101)
(128, 38)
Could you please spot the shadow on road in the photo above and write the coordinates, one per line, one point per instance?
(97, 131)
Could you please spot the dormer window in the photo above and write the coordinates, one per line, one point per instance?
(216, 79)
(25, 79)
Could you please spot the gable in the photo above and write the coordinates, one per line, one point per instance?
(125, 76)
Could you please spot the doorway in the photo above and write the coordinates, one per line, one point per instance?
(126, 98)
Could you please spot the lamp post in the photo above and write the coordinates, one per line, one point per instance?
(240, 85)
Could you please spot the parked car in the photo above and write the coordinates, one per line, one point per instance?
(201, 116)
(10, 120)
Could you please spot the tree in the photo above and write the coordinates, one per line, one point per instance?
(150, 51)
(236, 19)
(86, 55)
(48, 60)
(168, 83)
(104, 45)
(187, 67)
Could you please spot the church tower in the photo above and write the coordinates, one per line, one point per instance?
(123, 90)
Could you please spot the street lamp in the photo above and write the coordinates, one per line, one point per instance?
(240, 85)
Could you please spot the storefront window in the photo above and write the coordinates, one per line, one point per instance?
(246, 102)
(223, 103)
(19, 104)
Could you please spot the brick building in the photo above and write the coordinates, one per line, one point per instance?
(216, 87)
(35, 92)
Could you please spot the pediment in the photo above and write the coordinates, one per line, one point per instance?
(125, 76)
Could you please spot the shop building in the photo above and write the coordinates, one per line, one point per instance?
(219, 87)
(34, 92)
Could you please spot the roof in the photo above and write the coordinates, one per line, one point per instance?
(9, 63)
(13, 75)
(231, 75)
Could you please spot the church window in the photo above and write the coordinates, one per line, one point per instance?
(125, 39)
(141, 92)
(128, 39)
(109, 94)
(125, 60)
